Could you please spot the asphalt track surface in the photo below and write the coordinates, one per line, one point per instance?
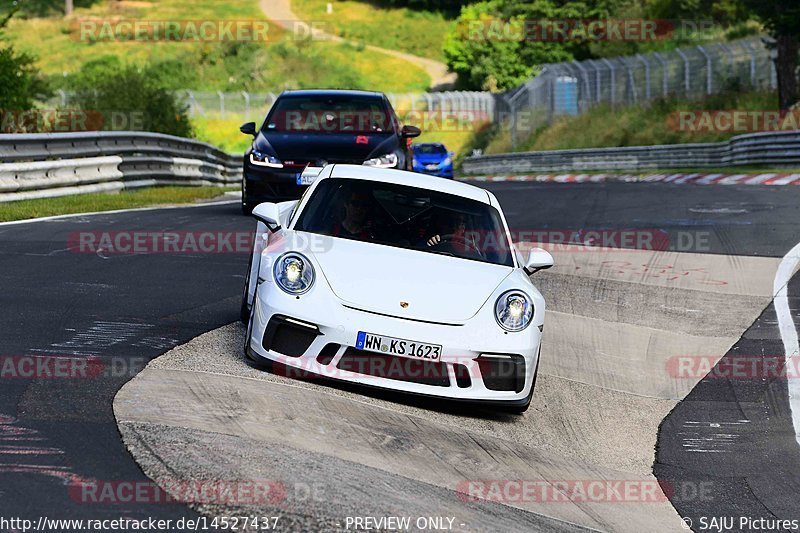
(135, 307)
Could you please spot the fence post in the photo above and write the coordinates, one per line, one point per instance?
(512, 122)
(631, 81)
(664, 74)
(585, 76)
(221, 104)
(773, 70)
(612, 74)
(686, 75)
(192, 104)
(246, 96)
(709, 71)
(597, 80)
(752, 62)
(646, 76)
(428, 101)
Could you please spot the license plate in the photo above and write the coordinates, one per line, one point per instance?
(399, 347)
(305, 180)
(431, 167)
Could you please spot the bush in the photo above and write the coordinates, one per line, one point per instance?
(130, 98)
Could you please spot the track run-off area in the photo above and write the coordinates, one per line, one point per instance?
(660, 402)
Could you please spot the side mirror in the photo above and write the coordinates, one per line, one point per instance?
(538, 259)
(410, 131)
(450, 154)
(248, 128)
(269, 214)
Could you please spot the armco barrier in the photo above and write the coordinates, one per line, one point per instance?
(59, 164)
(773, 149)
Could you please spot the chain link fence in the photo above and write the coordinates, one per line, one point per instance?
(574, 87)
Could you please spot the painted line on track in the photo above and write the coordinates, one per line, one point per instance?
(787, 268)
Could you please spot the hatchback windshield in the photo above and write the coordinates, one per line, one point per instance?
(429, 149)
(329, 114)
(407, 217)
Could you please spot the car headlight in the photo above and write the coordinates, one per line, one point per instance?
(513, 310)
(263, 160)
(293, 273)
(384, 161)
(446, 162)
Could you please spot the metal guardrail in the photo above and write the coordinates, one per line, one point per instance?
(49, 165)
(773, 149)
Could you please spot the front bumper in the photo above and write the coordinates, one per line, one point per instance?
(442, 172)
(477, 363)
(264, 184)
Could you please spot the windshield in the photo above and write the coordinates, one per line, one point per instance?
(429, 149)
(329, 114)
(407, 217)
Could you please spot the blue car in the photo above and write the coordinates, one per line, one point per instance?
(433, 159)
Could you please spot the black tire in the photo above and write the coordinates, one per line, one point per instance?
(244, 310)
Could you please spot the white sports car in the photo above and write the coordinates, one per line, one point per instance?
(396, 280)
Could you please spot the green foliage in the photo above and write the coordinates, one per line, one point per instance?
(44, 8)
(20, 82)
(780, 17)
(483, 49)
(605, 126)
(132, 97)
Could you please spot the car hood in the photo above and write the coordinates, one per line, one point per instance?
(429, 159)
(332, 147)
(378, 278)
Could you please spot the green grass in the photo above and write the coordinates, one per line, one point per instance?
(408, 30)
(606, 126)
(281, 63)
(83, 203)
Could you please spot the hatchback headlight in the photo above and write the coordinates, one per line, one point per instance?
(383, 161)
(513, 310)
(293, 273)
(264, 160)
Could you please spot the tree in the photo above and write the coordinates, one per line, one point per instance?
(20, 82)
(780, 18)
(68, 7)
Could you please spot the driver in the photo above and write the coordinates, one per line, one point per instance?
(356, 223)
(450, 234)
